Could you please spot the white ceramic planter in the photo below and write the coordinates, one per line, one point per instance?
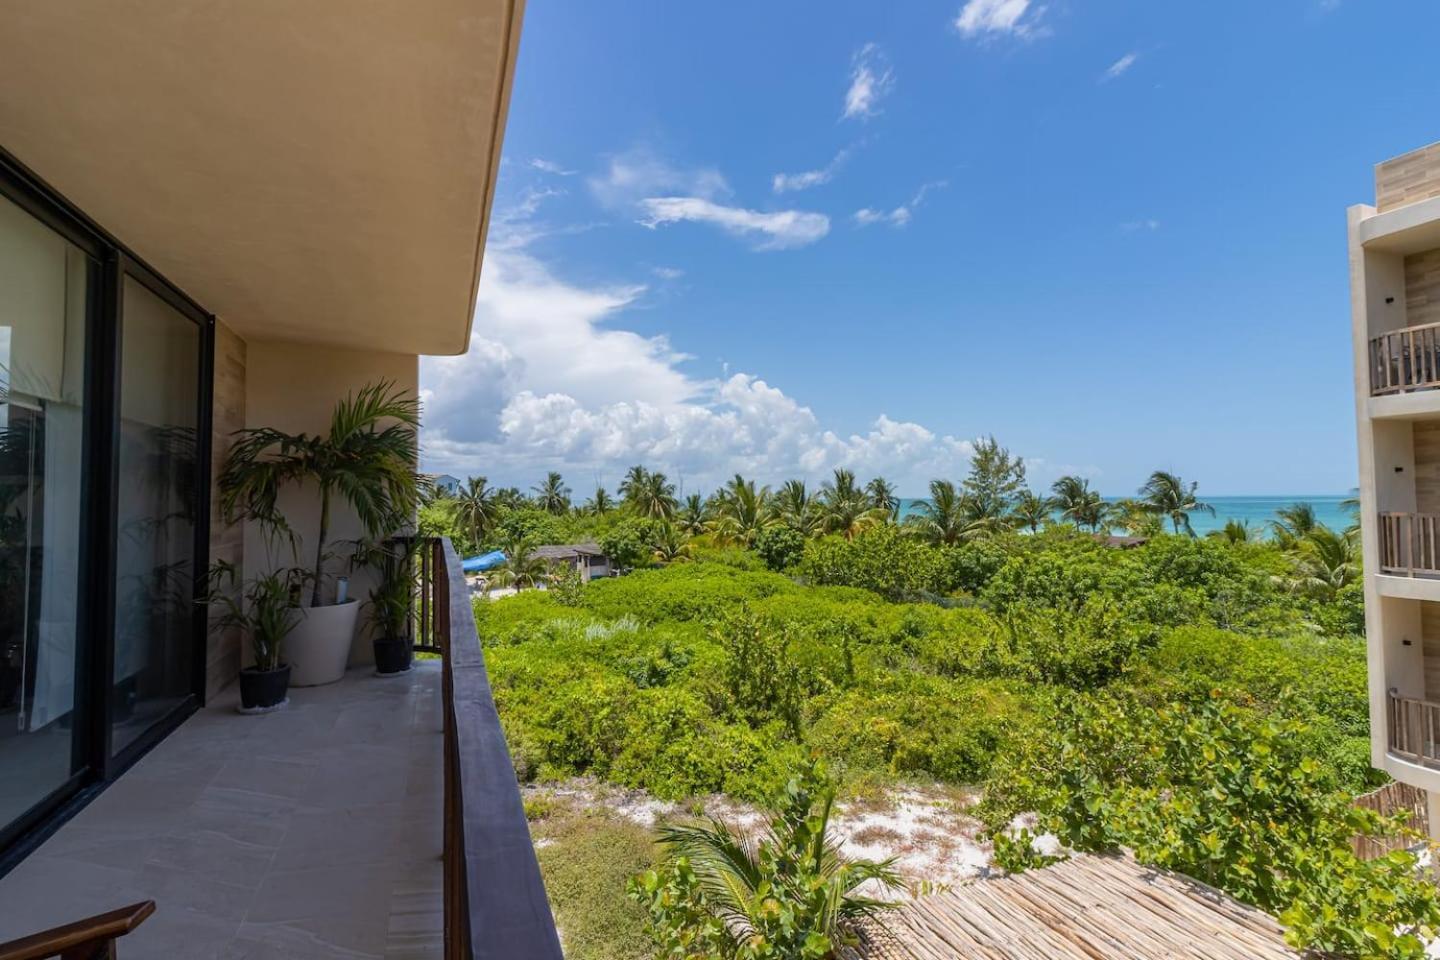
(319, 646)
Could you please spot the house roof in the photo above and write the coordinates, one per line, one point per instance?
(568, 551)
(1083, 908)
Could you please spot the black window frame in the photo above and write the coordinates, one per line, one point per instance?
(94, 765)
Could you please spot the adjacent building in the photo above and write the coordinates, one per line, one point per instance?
(1395, 304)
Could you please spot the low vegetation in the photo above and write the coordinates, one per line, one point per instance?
(1201, 700)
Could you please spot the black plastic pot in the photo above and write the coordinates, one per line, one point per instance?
(392, 655)
(262, 689)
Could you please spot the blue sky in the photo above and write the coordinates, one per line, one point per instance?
(1110, 233)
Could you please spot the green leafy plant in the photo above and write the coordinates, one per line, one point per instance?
(392, 599)
(264, 608)
(367, 458)
(790, 895)
(1226, 796)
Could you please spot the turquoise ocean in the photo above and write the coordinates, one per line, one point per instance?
(1257, 511)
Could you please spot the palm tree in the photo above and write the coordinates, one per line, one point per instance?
(1327, 561)
(371, 468)
(797, 508)
(1079, 504)
(941, 519)
(693, 518)
(1135, 518)
(741, 511)
(477, 508)
(1031, 510)
(634, 480)
(521, 568)
(654, 497)
(845, 507)
(671, 545)
(1168, 496)
(552, 495)
(1351, 505)
(795, 864)
(600, 503)
(883, 497)
(1293, 524)
(1236, 531)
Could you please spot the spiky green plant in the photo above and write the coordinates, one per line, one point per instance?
(790, 895)
(263, 608)
(367, 458)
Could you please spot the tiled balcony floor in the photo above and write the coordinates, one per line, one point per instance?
(311, 832)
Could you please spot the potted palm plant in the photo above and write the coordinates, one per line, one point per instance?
(264, 609)
(392, 601)
(367, 461)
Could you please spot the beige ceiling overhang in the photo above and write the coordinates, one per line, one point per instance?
(309, 170)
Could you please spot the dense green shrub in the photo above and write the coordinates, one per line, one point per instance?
(884, 559)
(913, 725)
(1225, 795)
(781, 547)
(630, 542)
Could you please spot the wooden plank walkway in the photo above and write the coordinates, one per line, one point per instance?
(1086, 908)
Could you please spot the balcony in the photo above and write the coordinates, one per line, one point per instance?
(1413, 730)
(373, 817)
(1405, 360)
(1410, 544)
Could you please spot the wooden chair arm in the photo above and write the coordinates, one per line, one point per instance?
(81, 940)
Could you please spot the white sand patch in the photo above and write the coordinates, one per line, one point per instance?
(926, 830)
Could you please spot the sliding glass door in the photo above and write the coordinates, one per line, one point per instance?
(157, 505)
(45, 288)
(104, 507)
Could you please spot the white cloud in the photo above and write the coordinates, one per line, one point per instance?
(871, 79)
(784, 182)
(638, 173)
(999, 17)
(1119, 67)
(778, 230)
(552, 382)
(550, 166)
(1147, 225)
(901, 215)
(668, 273)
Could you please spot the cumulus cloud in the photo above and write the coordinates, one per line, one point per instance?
(785, 182)
(777, 230)
(1118, 68)
(980, 18)
(553, 381)
(899, 216)
(871, 80)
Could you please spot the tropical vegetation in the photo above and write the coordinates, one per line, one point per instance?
(988, 637)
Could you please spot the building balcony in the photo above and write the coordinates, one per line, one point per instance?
(1413, 730)
(374, 817)
(1405, 360)
(1410, 544)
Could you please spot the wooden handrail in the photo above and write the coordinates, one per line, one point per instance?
(1405, 359)
(1410, 544)
(90, 939)
(495, 903)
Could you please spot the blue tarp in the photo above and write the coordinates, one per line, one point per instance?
(480, 564)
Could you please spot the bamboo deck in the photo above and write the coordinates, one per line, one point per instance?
(1086, 908)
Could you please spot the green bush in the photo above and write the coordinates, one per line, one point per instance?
(884, 559)
(781, 547)
(1226, 796)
